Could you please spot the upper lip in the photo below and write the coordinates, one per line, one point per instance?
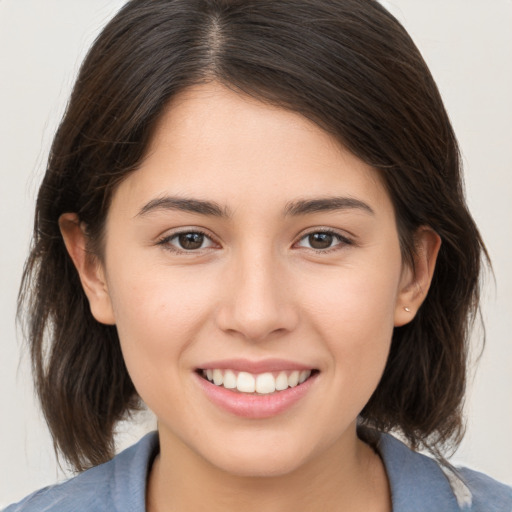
(255, 367)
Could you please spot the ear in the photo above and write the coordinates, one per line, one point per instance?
(415, 282)
(90, 269)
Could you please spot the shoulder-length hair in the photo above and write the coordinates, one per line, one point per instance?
(349, 66)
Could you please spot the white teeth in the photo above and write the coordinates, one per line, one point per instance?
(229, 380)
(245, 383)
(293, 379)
(218, 377)
(263, 383)
(304, 374)
(282, 381)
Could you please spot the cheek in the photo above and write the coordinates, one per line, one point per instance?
(354, 300)
(354, 315)
(158, 315)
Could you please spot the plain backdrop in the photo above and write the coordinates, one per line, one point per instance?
(468, 46)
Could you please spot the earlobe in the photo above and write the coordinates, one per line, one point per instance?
(415, 282)
(90, 270)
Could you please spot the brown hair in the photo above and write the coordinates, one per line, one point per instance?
(349, 66)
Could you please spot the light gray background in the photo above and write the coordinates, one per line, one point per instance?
(468, 46)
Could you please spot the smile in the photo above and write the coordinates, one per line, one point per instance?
(261, 383)
(256, 389)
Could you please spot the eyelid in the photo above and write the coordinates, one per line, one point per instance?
(343, 239)
(164, 240)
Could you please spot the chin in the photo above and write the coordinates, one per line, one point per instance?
(260, 467)
(256, 461)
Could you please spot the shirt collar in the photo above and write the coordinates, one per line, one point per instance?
(417, 482)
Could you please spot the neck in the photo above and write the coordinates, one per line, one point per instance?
(350, 476)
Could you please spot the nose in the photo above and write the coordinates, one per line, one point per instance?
(256, 302)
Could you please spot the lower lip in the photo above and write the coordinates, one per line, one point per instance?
(251, 406)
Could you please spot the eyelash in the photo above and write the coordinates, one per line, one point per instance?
(341, 239)
(166, 241)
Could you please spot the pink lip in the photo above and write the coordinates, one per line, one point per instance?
(245, 365)
(251, 406)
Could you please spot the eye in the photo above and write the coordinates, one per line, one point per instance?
(323, 240)
(187, 241)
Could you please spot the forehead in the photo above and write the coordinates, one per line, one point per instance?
(214, 143)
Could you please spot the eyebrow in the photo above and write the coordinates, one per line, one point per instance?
(295, 208)
(184, 204)
(305, 206)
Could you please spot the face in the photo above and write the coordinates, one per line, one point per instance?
(252, 250)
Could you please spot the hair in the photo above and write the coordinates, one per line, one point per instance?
(347, 65)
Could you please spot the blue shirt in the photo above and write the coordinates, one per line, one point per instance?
(418, 484)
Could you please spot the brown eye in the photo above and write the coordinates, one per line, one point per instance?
(191, 241)
(187, 242)
(324, 241)
(320, 240)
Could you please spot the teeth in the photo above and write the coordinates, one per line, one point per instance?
(263, 383)
(282, 381)
(229, 380)
(293, 379)
(245, 383)
(304, 374)
(218, 377)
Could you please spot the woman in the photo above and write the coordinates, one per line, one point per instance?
(258, 213)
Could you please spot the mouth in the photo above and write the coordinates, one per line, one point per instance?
(266, 383)
(256, 389)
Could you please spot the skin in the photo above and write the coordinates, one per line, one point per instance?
(256, 289)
